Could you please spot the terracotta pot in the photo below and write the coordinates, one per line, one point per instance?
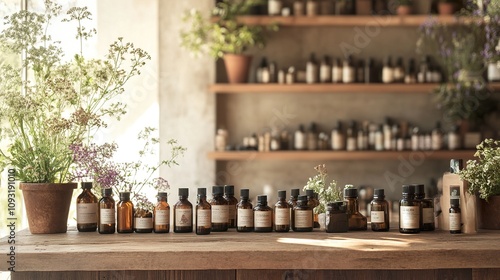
(404, 10)
(446, 8)
(47, 206)
(488, 213)
(237, 67)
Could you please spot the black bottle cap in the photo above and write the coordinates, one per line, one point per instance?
(281, 194)
(420, 189)
(379, 193)
(408, 189)
(202, 191)
(336, 205)
(217, 190)
(124, 195)
(107, 192)
(245, 193)
(162, 194)
(86, 185)
(310, 193)
(262, 199)
(302, 198)
(350, 192)
(295, 192)
(455, 202)
(229, 189)
(184, 192)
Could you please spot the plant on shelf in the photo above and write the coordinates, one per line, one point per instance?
(327, 192)
(225, 37)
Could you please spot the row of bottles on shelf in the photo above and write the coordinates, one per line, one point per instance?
(390, 136)
(348, 71)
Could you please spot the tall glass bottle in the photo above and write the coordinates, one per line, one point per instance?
(183, 213)
(426, 209)
(262, 215)
(313, 202)
(244, 212)
(356, 220)
(161, 214)
(455, 216)
(409, 211)
(86, 209)
(231, 202)
(281, 213)
(220, 210)
(379, 213)
(125, 214)
(302, 217)
(203, 213)
(107, 221)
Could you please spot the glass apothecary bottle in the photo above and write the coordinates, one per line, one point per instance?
(183, 213)
(262, 215)
(427, 209)
(231, 202)
(107, 221)
(86, 209)
(161, 214)
(125, 214)
(356, 220)
(336, 219)
(409, 211)
(244, 212)
(302, 218)
(281, 213)
(455, 216)
(220, 210)
(379, 213)
(143, 220)
(203, 213)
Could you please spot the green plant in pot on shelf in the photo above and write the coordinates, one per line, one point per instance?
(224, 38)
(59, 103)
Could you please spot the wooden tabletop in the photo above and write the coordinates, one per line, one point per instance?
(232, 250)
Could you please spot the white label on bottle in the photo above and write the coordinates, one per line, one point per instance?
(107, 216)
(428, 215)
(232, 212)
(203, 218)
(162, 217)
(245, 218)
(282, 216)
(220, 214)
(409, 217)
(86, 213)
(263, 218)
(143, 223)
(455, 221)
(183, 217)
(303, 218)
(377, 216)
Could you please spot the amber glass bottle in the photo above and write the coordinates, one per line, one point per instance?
(262, 215)
(294, 195)
(302, 218)
(183, 213)
(220, 210)
(455, 216)
(203, 213)
(125, 214)
(244, 212)
(281, 213)
(409, 211)
(379, 213)
(143, 220)
(312, 202)
(86, 209)
(231, 202)
(426, 209)
(356, 220)
(161, 214)
(107, 221)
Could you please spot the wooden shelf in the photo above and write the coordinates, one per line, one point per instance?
(337, 155)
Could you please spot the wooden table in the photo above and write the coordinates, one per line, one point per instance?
(233, 255)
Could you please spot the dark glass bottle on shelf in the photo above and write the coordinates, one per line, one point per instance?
(302, 217)
(294, 196)
(281, 213)
(379, 213)
(107, 221)
(203, 213)
(231, 202)
(244, 212)
(143, 220)
(409, 211)
(86, 209)
(455, 216)
(220, 210)
(312, 202)
(356, 220)
(336, 219)
(426, 209)
(125, 214)
(161, 214)
(183, 213)
(262, 215)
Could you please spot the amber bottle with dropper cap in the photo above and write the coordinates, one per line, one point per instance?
(281, 213)
(244, 212)
(107, 221)
(220, 210)
(203, 213)
(183, 213)
(86, 209)
(231, 202)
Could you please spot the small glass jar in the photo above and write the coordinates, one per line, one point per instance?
(143, 220)
(336, 217)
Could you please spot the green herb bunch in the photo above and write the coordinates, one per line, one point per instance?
(327, 192)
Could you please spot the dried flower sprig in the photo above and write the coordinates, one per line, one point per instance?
(326, 192)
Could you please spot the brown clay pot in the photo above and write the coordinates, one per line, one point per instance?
(404, 10)
(47, 206)
(237, 67)
(488, 213)
(446, 8)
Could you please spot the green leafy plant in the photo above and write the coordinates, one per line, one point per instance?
(327, 192)
(483, 174)
(60, 103)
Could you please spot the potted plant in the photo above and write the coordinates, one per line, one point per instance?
(448, 7)
(60, 103)
(225, 37)
(483, 176)
(404, 7)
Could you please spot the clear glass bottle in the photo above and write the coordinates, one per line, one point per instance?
(281, 213)
(183, 213)
(336, 219)
(437, 137)
(231, 202)
(244, 212)
(203, 213)
(455, 216)
(379, 214)
(409, 211)
(161, 214)
(107, 221)
(220, 210)
(86, 209)
(299, 139)
(426, 207)
(312, 70)
(262, 215)
(356, 220)
(302, 217)
(125, 214)
(338, 137)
